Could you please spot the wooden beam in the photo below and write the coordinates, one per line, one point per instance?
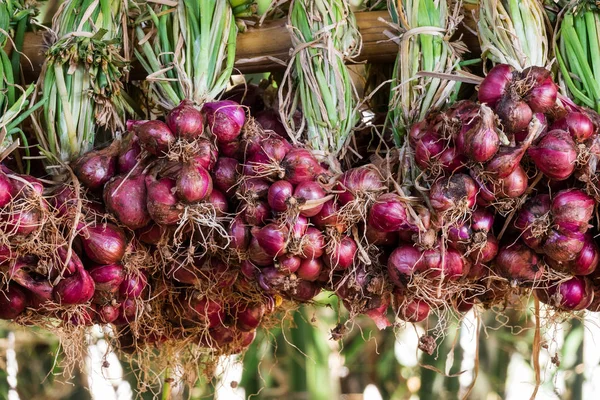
(257, 49)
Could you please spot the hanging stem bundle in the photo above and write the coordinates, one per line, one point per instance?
(424, 45)
(190, 50)
(577, 49)
(513, 32)
(82, 79)
(324, 35)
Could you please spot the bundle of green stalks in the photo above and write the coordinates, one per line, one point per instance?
(577, 50)
(189, 51)
(425, 27)
(513, 32)
(324, 35)
(82, 79)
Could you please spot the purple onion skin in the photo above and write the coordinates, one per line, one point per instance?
(155, 137)
(186, 121)
(574, 294)
(129, 155)
(388, 214)
(225, 119)
(161, 201)
(95, 168)
(104, 244)
(126, 199)
(5, 190)
(76, 289)
(13, 301)
(133, 285)
(555, 155)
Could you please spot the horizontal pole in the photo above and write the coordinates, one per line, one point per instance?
(261, 49)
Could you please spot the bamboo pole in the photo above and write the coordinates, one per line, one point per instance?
(266, 48)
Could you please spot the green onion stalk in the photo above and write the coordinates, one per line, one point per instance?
(15, 18)
(577, 50)
(425, 27)
(190, 50)
(82, 79)
(513, 32)
(324, 35)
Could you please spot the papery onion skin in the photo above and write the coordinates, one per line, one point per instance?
(186, 121)
(495, 84)
(445, 194)
(403, 263)
(517, 262)
(104, 244)
(555, 155)
(126, 198)
(572, 209)
(358, 182)
(388, 213)
(574, 294)
(13, 301)
(155, 137)
(341, 255)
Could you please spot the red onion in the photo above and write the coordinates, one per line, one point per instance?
(248, 316)
(358, 182)
(219, 202)
(239, 234)
(151, 234)
(5, 190)
(521, 136)
(107, 279)
(41, 288)
(225, 119)
(25, 186)
(75, 289)
(460, 236)
(288, 263)
(572, 210)
(13, 301)
(414, 310)
(574, 294)
(193, 183)
(451, 161)
(403, 263)
(279, 195)
(103, 244)
(125, 197)
(186, 121)
(515, 114)
(417, 131)
(329, 217)
(129, 155)
(481, 141)
(22, 222)
(429, 147)
(305, 291)
(272, 239)
(249, 270)
(269, 120)
(563, 246)
(482, 220)
(300, 166)
(107, 313)
(543, 96)
(95, 168)
(578, 124)
(487, 252)
(306, 193)
(587, 259)
(5, 254)
(514, 185)
(380, 238)
(64, 200)
(206, 153)
(225, 174)
(155, 137)
(388, 214)
(161, 201)
(298, 226)
(184, 272)
(254, 188)
(270, 151)
(272, 280)
(206, 311)
(448, 193)
(313, 243)
(310, 269)
(257, 255)
(517, 262)
(555, 155)
(340, 255)
(133, 285)
(495, 84)
(232, 149)
(529, 217)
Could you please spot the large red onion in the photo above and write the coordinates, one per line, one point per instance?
(448, 193)
(578, 124)
(299, 165)
(359, 182)
(574, 294)
(495, 84)
(572, 210)
(248, 316)
(133, 285)
(340, 255)
(96, 167)
(517, 262)
(225, 174)
(155, 137)
(313, 243)
(75, 289)
(310, 269)
(530, 217)
(272, 238)
(329, 217)
(403, 263)
(515, 114)
(481, 142)
(186, 121)
(13, 301)
(555, 155)
(563, 246)
(194, 183)
(279, 195)
(126, 198)
(225, 119)
(103, 243)
(162, 204)
(388, 214)
(307, 193)
(107, 279)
